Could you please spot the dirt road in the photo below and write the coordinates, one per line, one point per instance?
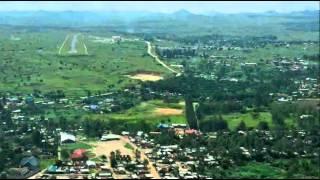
(159, 61)
(153, 170)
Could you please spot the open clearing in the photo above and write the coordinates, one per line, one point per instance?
(103, 69)
(146, 77)
(106, 147)
(153, 112)
(97, 39)
(168, 111)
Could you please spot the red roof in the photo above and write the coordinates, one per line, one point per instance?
(191, 131)
(78, 154)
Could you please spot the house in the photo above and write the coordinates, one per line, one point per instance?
(179, 131)
(248, 64)
(116, 38)
(91, 164)
(140, 133)
(67, 138)
(163, 126)
(105, 173)
(85, 171)
(30, 162)
(94, 107)
(282, 99)
(154, 133)
(79, 155)
(18, 173)
(125, 133)
(134, 176)
(52, 169)
(191, 132)
(110, 137)
(179, 125)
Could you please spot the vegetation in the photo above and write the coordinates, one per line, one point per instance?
(249, 91)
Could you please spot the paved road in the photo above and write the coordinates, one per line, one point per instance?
(159, 61)
(73, 44)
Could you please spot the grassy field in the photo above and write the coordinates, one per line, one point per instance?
(234, 119)
(45, 163)
(33, 62)
(257, 170)
(128, 146)
(77, 145)
(278, 169)
(144, 111)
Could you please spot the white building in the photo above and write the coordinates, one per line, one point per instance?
(116, 38)
(67, 138)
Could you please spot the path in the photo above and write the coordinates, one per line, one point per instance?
(158, 60)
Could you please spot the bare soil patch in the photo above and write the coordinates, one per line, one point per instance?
(106, 147)
(168, 111)
(146, 77)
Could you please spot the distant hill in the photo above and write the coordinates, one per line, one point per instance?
(179, 23)
(75, 18)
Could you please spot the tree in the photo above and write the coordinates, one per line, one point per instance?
(104, 158)
(65, 154)
(190, 114)
(36, 138)
(214, 124)
(278, 114)
(138, 154)
(88, 93)
(263, 125)
(145, 162)
(242, 126)
(3, 175)
(113, 161)
(63, 123)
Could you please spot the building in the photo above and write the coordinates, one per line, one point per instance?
(67, 138)
(79, 155)
(110, 137)
(116, 38)
(30, 162)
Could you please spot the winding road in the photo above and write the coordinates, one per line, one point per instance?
(159, 61)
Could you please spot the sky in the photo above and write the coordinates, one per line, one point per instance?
(198, 7)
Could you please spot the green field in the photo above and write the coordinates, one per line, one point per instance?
(143, 111)
(45, 163)
(78, 145)
(250, 120)
(33, 63)
(257, 170)
(128, 146)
